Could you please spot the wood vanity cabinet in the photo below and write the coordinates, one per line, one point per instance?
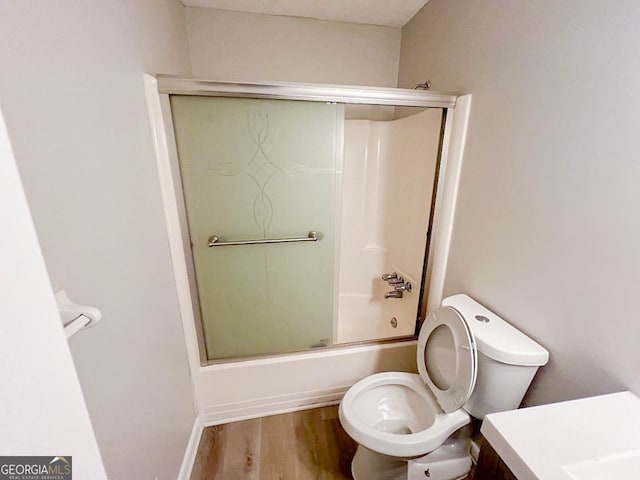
(490, 465)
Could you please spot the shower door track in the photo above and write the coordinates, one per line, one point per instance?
(172, 85)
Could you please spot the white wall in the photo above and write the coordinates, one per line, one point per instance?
(42, 409)
(547, 229)
(237, 46)
(72, 91)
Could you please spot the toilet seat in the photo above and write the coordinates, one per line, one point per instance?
(447, 358)
(407, 415)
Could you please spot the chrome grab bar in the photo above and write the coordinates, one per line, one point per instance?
(311, 237)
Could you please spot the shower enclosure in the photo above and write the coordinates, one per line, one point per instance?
(243, 179)
(305, 212)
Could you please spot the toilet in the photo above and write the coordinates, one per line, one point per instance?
(416, 426)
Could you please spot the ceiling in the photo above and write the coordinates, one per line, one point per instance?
(392, 13)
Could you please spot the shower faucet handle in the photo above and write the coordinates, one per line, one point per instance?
(396, 281)
(404, 287)
(389, 276)
(393, 294)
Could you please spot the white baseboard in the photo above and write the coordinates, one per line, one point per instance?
(249, 416)
(261, 407)
(191, 450)
(266, 406)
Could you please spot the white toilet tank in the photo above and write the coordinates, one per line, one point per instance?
(507, 359)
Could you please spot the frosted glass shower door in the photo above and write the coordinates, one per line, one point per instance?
(260, 169)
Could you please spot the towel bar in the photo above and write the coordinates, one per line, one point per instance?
(311, 237)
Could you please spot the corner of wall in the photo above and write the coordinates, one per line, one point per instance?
(191, 450)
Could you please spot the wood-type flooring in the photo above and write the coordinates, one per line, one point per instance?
(305, 445)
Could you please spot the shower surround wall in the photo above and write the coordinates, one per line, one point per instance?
(387, 183)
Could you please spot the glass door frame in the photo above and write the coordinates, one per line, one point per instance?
(160, 87)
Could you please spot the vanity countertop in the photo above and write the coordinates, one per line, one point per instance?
(596, 438)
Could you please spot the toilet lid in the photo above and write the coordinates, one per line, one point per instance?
(447, 358)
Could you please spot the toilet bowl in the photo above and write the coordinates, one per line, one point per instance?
(401, 431)
(393, 414)
(415, 426)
